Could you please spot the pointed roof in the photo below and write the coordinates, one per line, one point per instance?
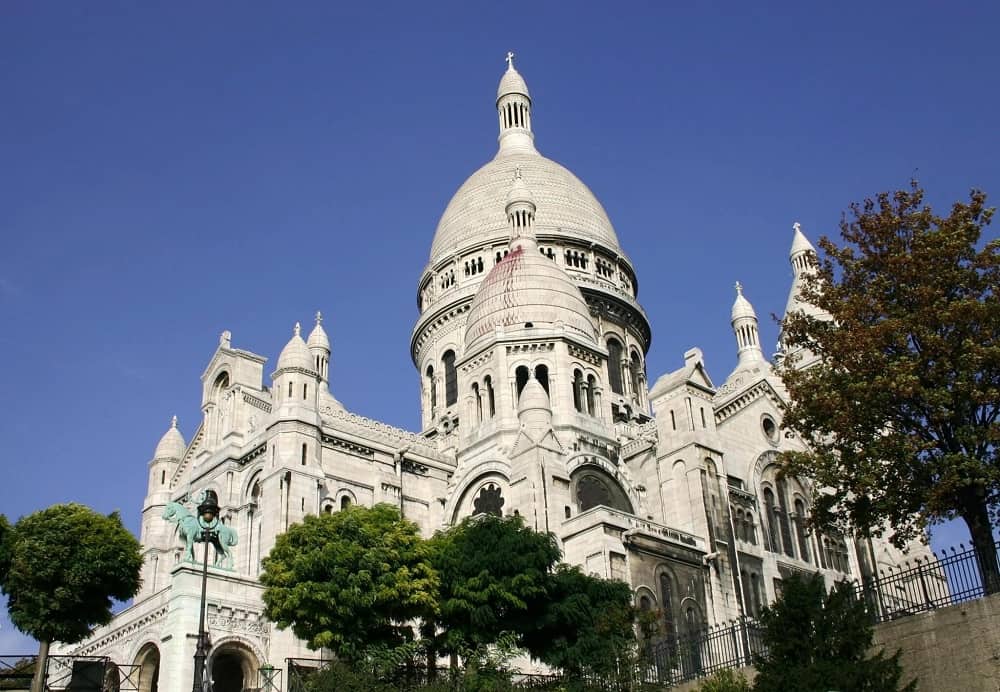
(295, 354)
(800, 243)
(693, 372)
(318, 337)
(741, 306)
(172, 444)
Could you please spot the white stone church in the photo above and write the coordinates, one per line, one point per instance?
(530, 346)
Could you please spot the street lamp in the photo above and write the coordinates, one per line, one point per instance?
(208, 521)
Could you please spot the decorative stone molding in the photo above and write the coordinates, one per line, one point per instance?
(761, 389)
(257, 402)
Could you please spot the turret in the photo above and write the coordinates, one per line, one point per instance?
(294, 380)
(319, 349)
(745, 327)
(803, 259)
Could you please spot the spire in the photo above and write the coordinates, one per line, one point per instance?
(297, 331)
(745, 327)
(173, 422)
(520, 209)
(803, 254)
(514, 110)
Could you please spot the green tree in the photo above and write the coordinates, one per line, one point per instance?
(900, 411)
(587, 624)
(494, 575)
(725, 680)
(352, 581)
(65, 564)
(818, 641)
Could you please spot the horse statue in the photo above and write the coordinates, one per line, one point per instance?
(190, 532)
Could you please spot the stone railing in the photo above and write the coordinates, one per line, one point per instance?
(626, 521)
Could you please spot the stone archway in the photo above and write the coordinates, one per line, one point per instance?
(232, 668)
(148, 660)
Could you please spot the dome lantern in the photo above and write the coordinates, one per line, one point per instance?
(514, 110)
(745, 327)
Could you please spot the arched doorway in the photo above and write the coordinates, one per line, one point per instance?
(148, 660)
(233, 668)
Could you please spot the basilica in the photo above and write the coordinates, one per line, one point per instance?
(530, 348)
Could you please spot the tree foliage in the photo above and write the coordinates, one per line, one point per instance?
(494, 575)
(818, 641)
(587, 624)
(350, 581)
(65, 564)
(900, 411)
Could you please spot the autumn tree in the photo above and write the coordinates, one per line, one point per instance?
(352, 581)
(900, 408)
(818, 641)
(61, 569)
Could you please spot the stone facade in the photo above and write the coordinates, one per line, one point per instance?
(530, 347)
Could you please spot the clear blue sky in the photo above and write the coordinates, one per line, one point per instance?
(173, 169)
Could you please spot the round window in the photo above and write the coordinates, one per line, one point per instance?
(770, 428)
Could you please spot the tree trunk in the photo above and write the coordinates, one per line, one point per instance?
(41, 663)
(978, 521)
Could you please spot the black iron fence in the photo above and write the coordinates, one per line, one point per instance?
(77, 673)
(955, 576)
(678, 659)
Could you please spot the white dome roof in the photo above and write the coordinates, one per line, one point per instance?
(318, 337)
(512, 83)
(526, 287)
(742, 306)
(295, 354)
(172, 444)
(566, 206)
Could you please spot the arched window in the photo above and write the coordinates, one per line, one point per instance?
(432, 387)
(635, 370)
(578, 390)
(345, 502)
(771, 508)
(450, 378)
(591, 386)
(163, 477)
(542, 375)
(756, 600)
(800, 529)
(305, 450)
(305, 391)
(751, 531)
(290, 386)
(521, 378)
(490, 400)
(477, 399)
(786, 528)
(615, 366)
(666, 601)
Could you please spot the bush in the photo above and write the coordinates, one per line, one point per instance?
(725, 681)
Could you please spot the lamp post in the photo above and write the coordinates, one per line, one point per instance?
(208, 521)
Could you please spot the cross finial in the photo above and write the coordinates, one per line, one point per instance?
(797, 227)
(298, 329)
(510, 60)
(173, 422)
(319, 317)
(739, 288)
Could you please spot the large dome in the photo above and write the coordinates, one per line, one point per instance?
(566, 206)
(524, 292)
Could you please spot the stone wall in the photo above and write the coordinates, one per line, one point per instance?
(951, 649)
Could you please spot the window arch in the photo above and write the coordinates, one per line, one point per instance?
(615, 366)
(667, 604)
(490, 396)
(578, 390)
(542, 375)
(783, 521)
(800, 529)
(431, 387)
(521, 376)
(345, 502)
(772, 520)
(450, 378)
(635, 370)
(477, 402)
(591, 403)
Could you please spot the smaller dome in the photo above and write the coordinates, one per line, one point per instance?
(512, 82)
(742, 306)
(295, 354)
(318, 337)
(172, 444)
(526, 291)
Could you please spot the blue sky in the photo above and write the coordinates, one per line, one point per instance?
(170, 170)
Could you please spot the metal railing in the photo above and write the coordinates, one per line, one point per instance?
(77, 673)
(690, 656)
(956, 576)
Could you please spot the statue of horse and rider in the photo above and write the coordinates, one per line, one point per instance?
(222, 537)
